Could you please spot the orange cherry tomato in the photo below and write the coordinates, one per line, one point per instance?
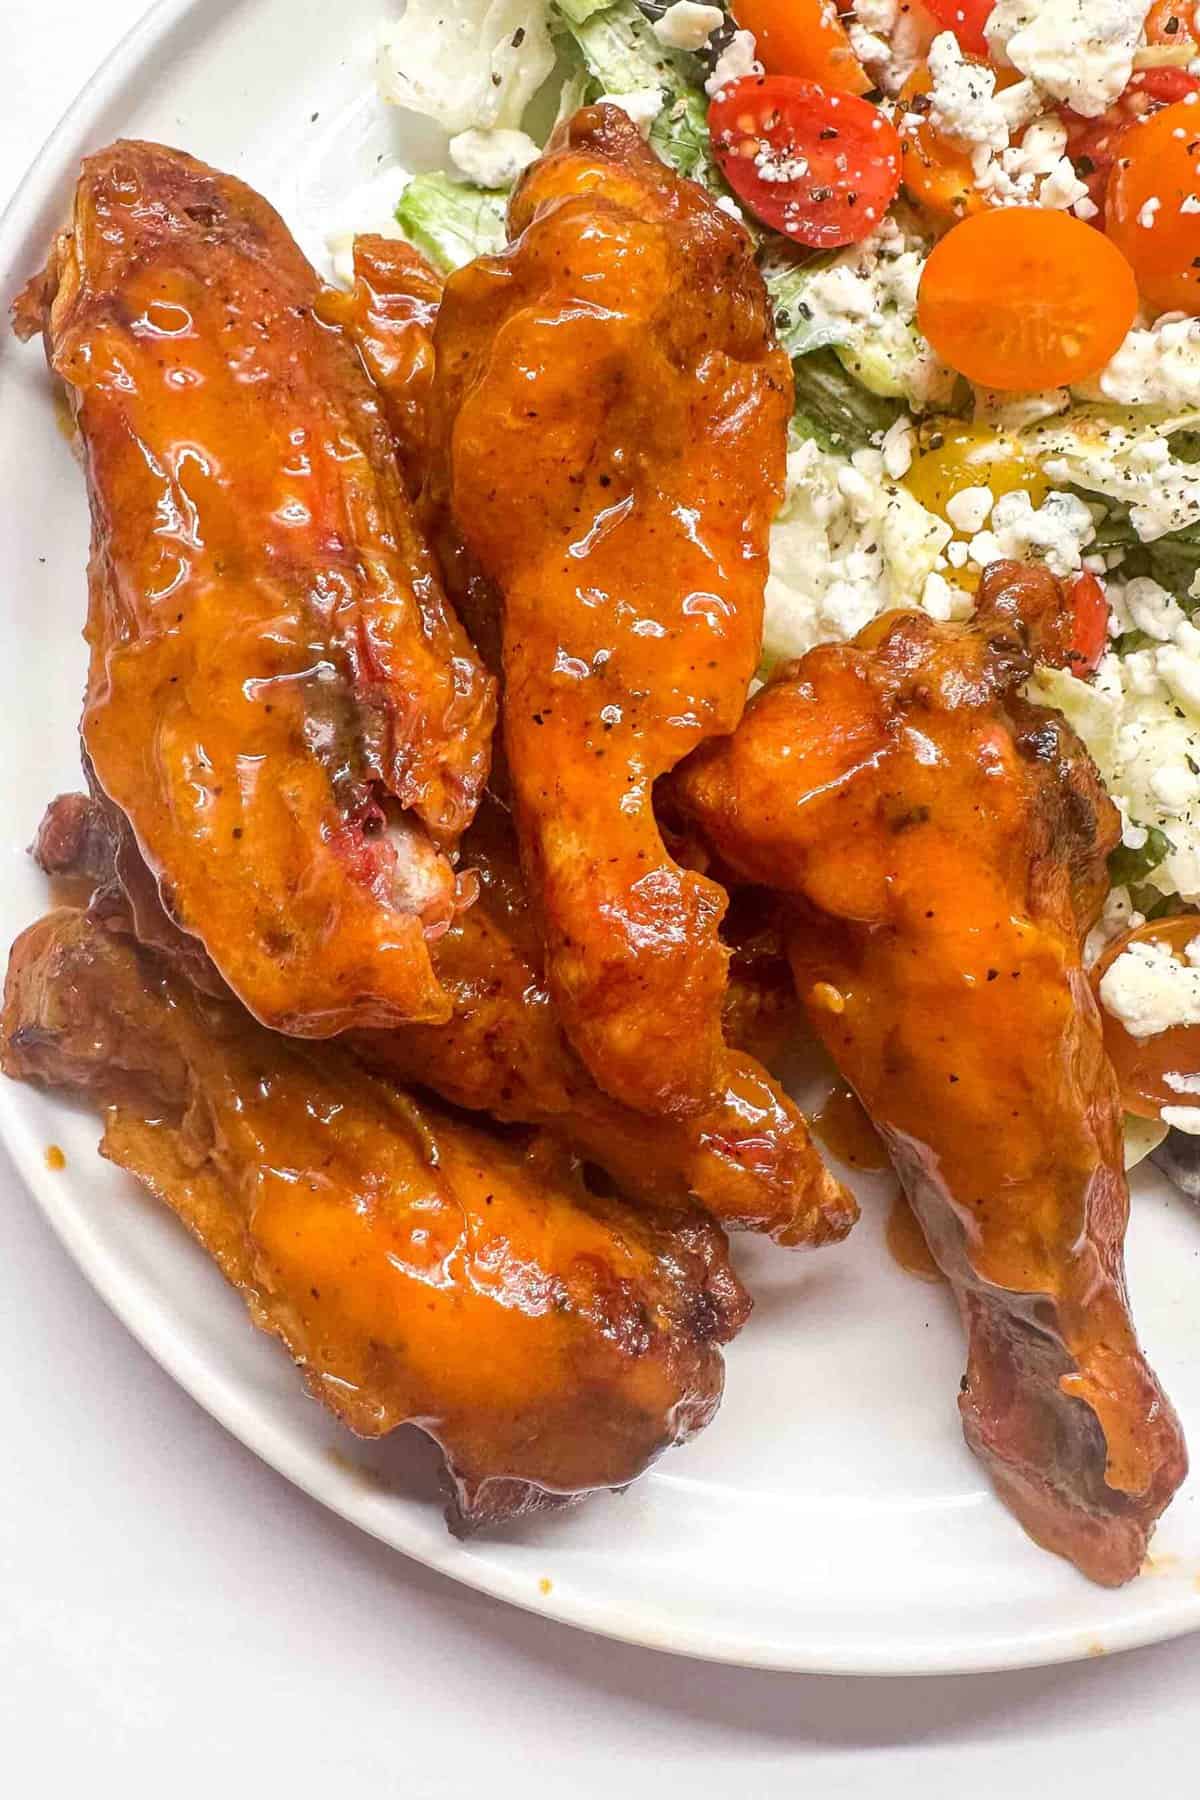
(936, 174)
(1171, 21)
(1092, 143)
(966, 19)
(803, 37)
(819, 166)
(1023, 297)
(1089, 632)
(1153, 206)
(1143, 1064)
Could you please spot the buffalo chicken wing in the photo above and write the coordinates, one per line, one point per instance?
(417, 1268)
(611, 425)
(944, 844)
(279, 699)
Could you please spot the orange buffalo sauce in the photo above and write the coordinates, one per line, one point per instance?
(906, 1242)
(845, 1130)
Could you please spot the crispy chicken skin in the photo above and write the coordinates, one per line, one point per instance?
(390, 313)
(611, 413)
(944, 843)
(749, 1160)
(417, 1268)
(279, 699)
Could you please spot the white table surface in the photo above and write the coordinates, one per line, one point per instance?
(175, 1618)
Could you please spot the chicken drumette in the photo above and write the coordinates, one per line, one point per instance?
(610, 425)
(944, 844)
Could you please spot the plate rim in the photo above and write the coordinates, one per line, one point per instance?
(25, 223)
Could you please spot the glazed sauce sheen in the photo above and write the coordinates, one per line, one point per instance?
(906, 1242)
(845, 1130)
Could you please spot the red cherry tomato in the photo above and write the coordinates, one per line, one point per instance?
(966, 19)
(1164, 86)
(1089, 632)
(820, 167)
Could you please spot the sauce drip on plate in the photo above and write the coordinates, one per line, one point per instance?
(845, 1130)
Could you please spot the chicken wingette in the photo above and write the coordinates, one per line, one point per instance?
(749, 1160)
(943, 842)
(417, 1268)
(279, 700)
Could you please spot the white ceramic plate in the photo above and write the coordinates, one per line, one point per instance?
(831, 1519)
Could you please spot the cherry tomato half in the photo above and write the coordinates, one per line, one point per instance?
(1172, 22)
(1092, 143)
(821, 167)
(966, 19)
(1153, 206)
(1143, 1064)
(1163, 87)
(1022, 297)
(936, 174)
(803, 37)
(961, 455)
(1089, 631)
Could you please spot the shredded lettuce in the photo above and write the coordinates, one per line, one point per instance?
(834, 408)
(861, 302)
(578, 12)
(470, 65)
(1126, 866)
(1173, 560)
(621, 55)
(1142, 1136)
(619, 47)
(800, 331)
(1126, 459)
(451, 221)
(681, 137)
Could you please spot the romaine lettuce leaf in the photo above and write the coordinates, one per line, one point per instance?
(467, 64)
(834, 408)
(618, 49)
(580, 11)
(452, 222)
